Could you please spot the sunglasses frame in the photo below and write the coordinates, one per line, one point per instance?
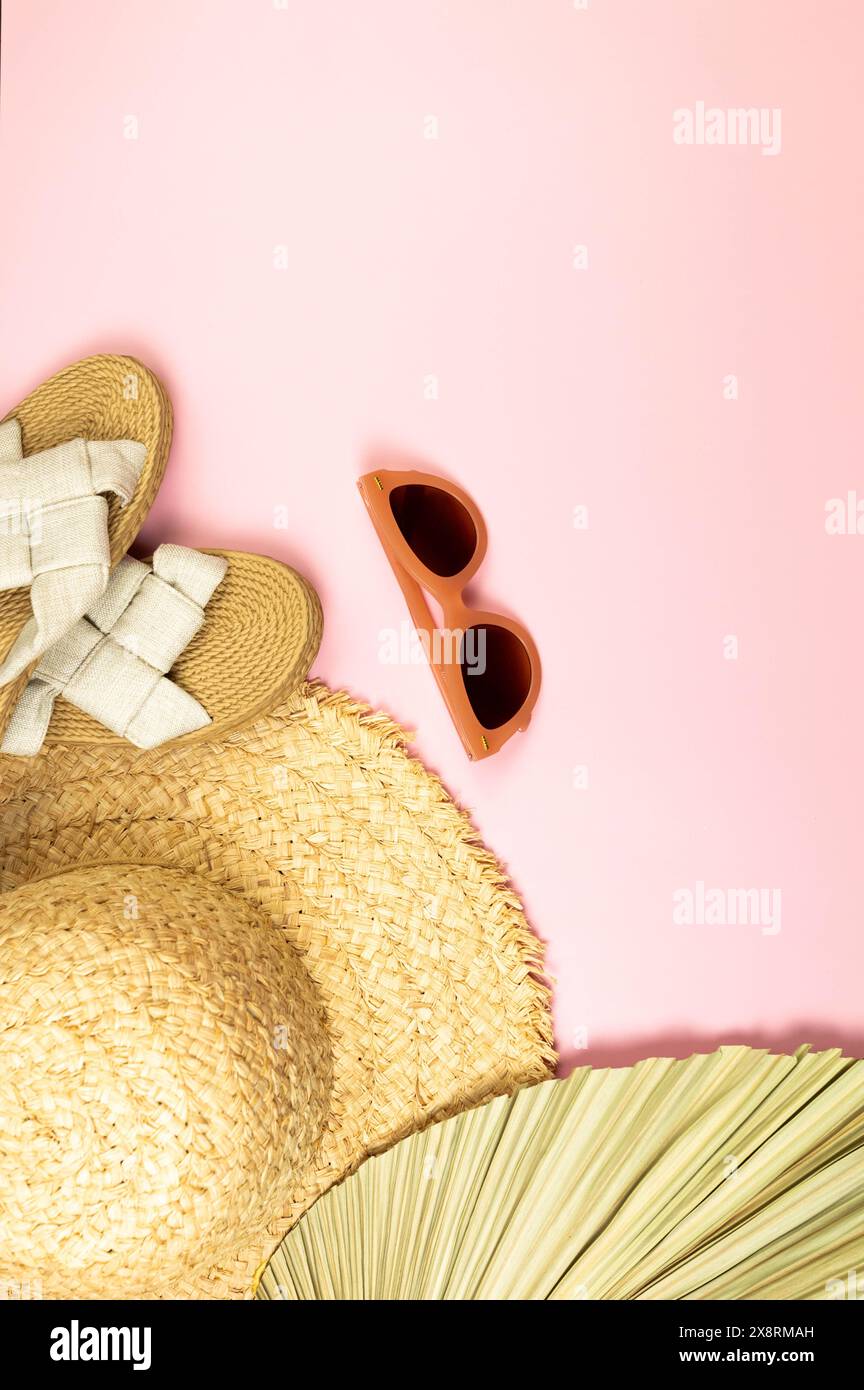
(447, 590)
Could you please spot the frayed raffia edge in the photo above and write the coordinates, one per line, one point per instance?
(389, 734)
(531, 948)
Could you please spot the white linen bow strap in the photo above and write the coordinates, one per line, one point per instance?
(54, 531)
(112, 663)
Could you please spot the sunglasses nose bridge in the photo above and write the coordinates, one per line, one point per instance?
(457, 618)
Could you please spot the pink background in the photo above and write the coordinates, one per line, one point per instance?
(303, 127)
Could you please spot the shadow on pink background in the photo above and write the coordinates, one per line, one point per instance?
(283, 243)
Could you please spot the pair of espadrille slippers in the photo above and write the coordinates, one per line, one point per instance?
(88, 635)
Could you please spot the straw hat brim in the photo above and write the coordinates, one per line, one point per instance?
(427, 969)
(101, 397)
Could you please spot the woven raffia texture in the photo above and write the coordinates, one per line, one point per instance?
(256, 590)
(419, 950)
(149, 1121)
(104, 397)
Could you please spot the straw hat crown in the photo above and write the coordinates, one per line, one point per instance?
(165, 1075)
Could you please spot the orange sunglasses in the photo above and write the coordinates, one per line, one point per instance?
(486, 666)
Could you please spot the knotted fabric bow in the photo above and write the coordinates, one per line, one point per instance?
(54, 531)
(112, 663)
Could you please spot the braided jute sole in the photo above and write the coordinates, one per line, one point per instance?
(102, 397)
(427, 973)
(262, 629)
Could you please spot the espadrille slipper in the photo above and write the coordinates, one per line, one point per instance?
(238, 633)
(229, 971)
(81, 460)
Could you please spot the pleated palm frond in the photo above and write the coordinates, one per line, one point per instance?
(735, 1174)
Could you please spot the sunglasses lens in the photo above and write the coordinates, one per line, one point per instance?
(437, 527)
(496, 671)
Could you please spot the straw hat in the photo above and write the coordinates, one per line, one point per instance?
(231, 969)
